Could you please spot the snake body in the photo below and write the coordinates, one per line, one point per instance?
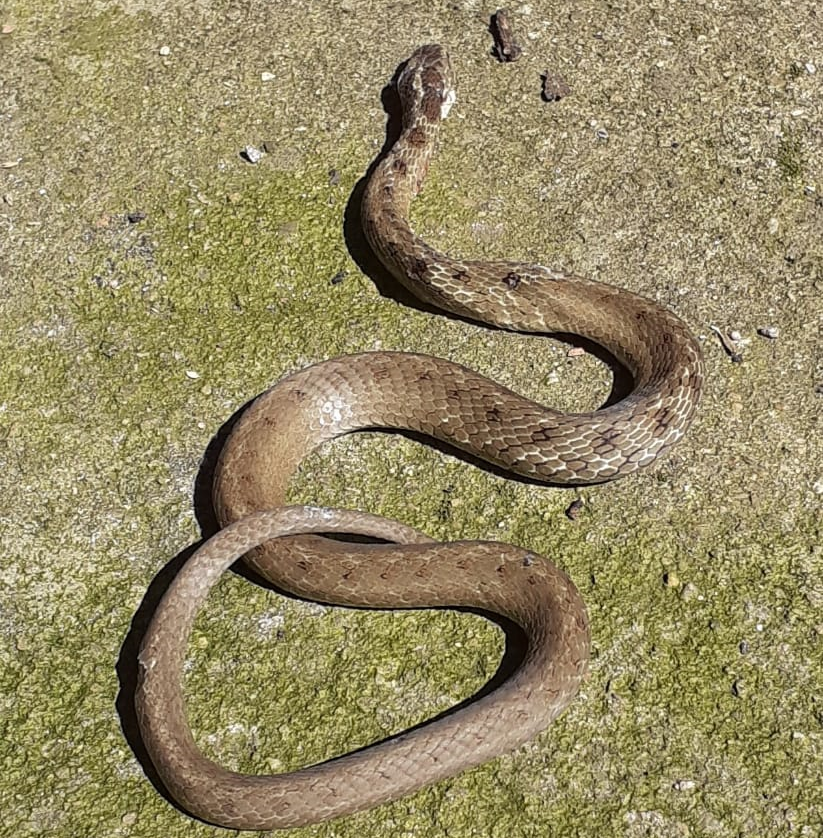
(455, 405)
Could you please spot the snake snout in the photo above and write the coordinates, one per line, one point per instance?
(426, 84)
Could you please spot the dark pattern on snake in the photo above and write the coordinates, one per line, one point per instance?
(450, 403)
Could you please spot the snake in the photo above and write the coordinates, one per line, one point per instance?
(403, 568)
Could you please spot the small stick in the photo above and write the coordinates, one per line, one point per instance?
(736, 357)
(505, 47)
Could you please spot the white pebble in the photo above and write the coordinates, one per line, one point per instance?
(266, 76)
(688, 592)
(735, 335)
(810, 68)
(253, 155)
(770, 332)
(192, 374)
(164, 50)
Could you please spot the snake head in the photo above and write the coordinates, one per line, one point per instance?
(426, 85)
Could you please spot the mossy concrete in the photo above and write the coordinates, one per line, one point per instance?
(152, 281)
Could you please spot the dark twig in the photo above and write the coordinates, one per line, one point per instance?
(505, 47)
(731, 350)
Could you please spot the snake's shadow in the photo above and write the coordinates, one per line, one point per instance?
(127, 666)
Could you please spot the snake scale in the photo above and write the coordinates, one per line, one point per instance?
(453, 404)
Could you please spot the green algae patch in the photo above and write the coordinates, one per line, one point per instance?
(100, 36)
(226, 274)
(790, 156)
(387, 672)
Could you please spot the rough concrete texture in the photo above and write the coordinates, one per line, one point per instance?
(686, 164)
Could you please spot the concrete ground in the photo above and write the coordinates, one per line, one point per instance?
(152, 281)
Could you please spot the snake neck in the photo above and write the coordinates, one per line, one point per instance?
(506, 294)
(513, 295)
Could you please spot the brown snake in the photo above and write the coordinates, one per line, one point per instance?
(457, 406)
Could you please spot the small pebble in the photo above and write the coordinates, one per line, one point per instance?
(735, 336)
(555, 87)
(810, 68)
(192, 374)
(252, 154)
(770, 332)
(266, 76)
(576, 352)
(683, 785)
(164, 50)
(688, 592)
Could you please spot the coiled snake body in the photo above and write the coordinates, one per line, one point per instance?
(455, 405)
